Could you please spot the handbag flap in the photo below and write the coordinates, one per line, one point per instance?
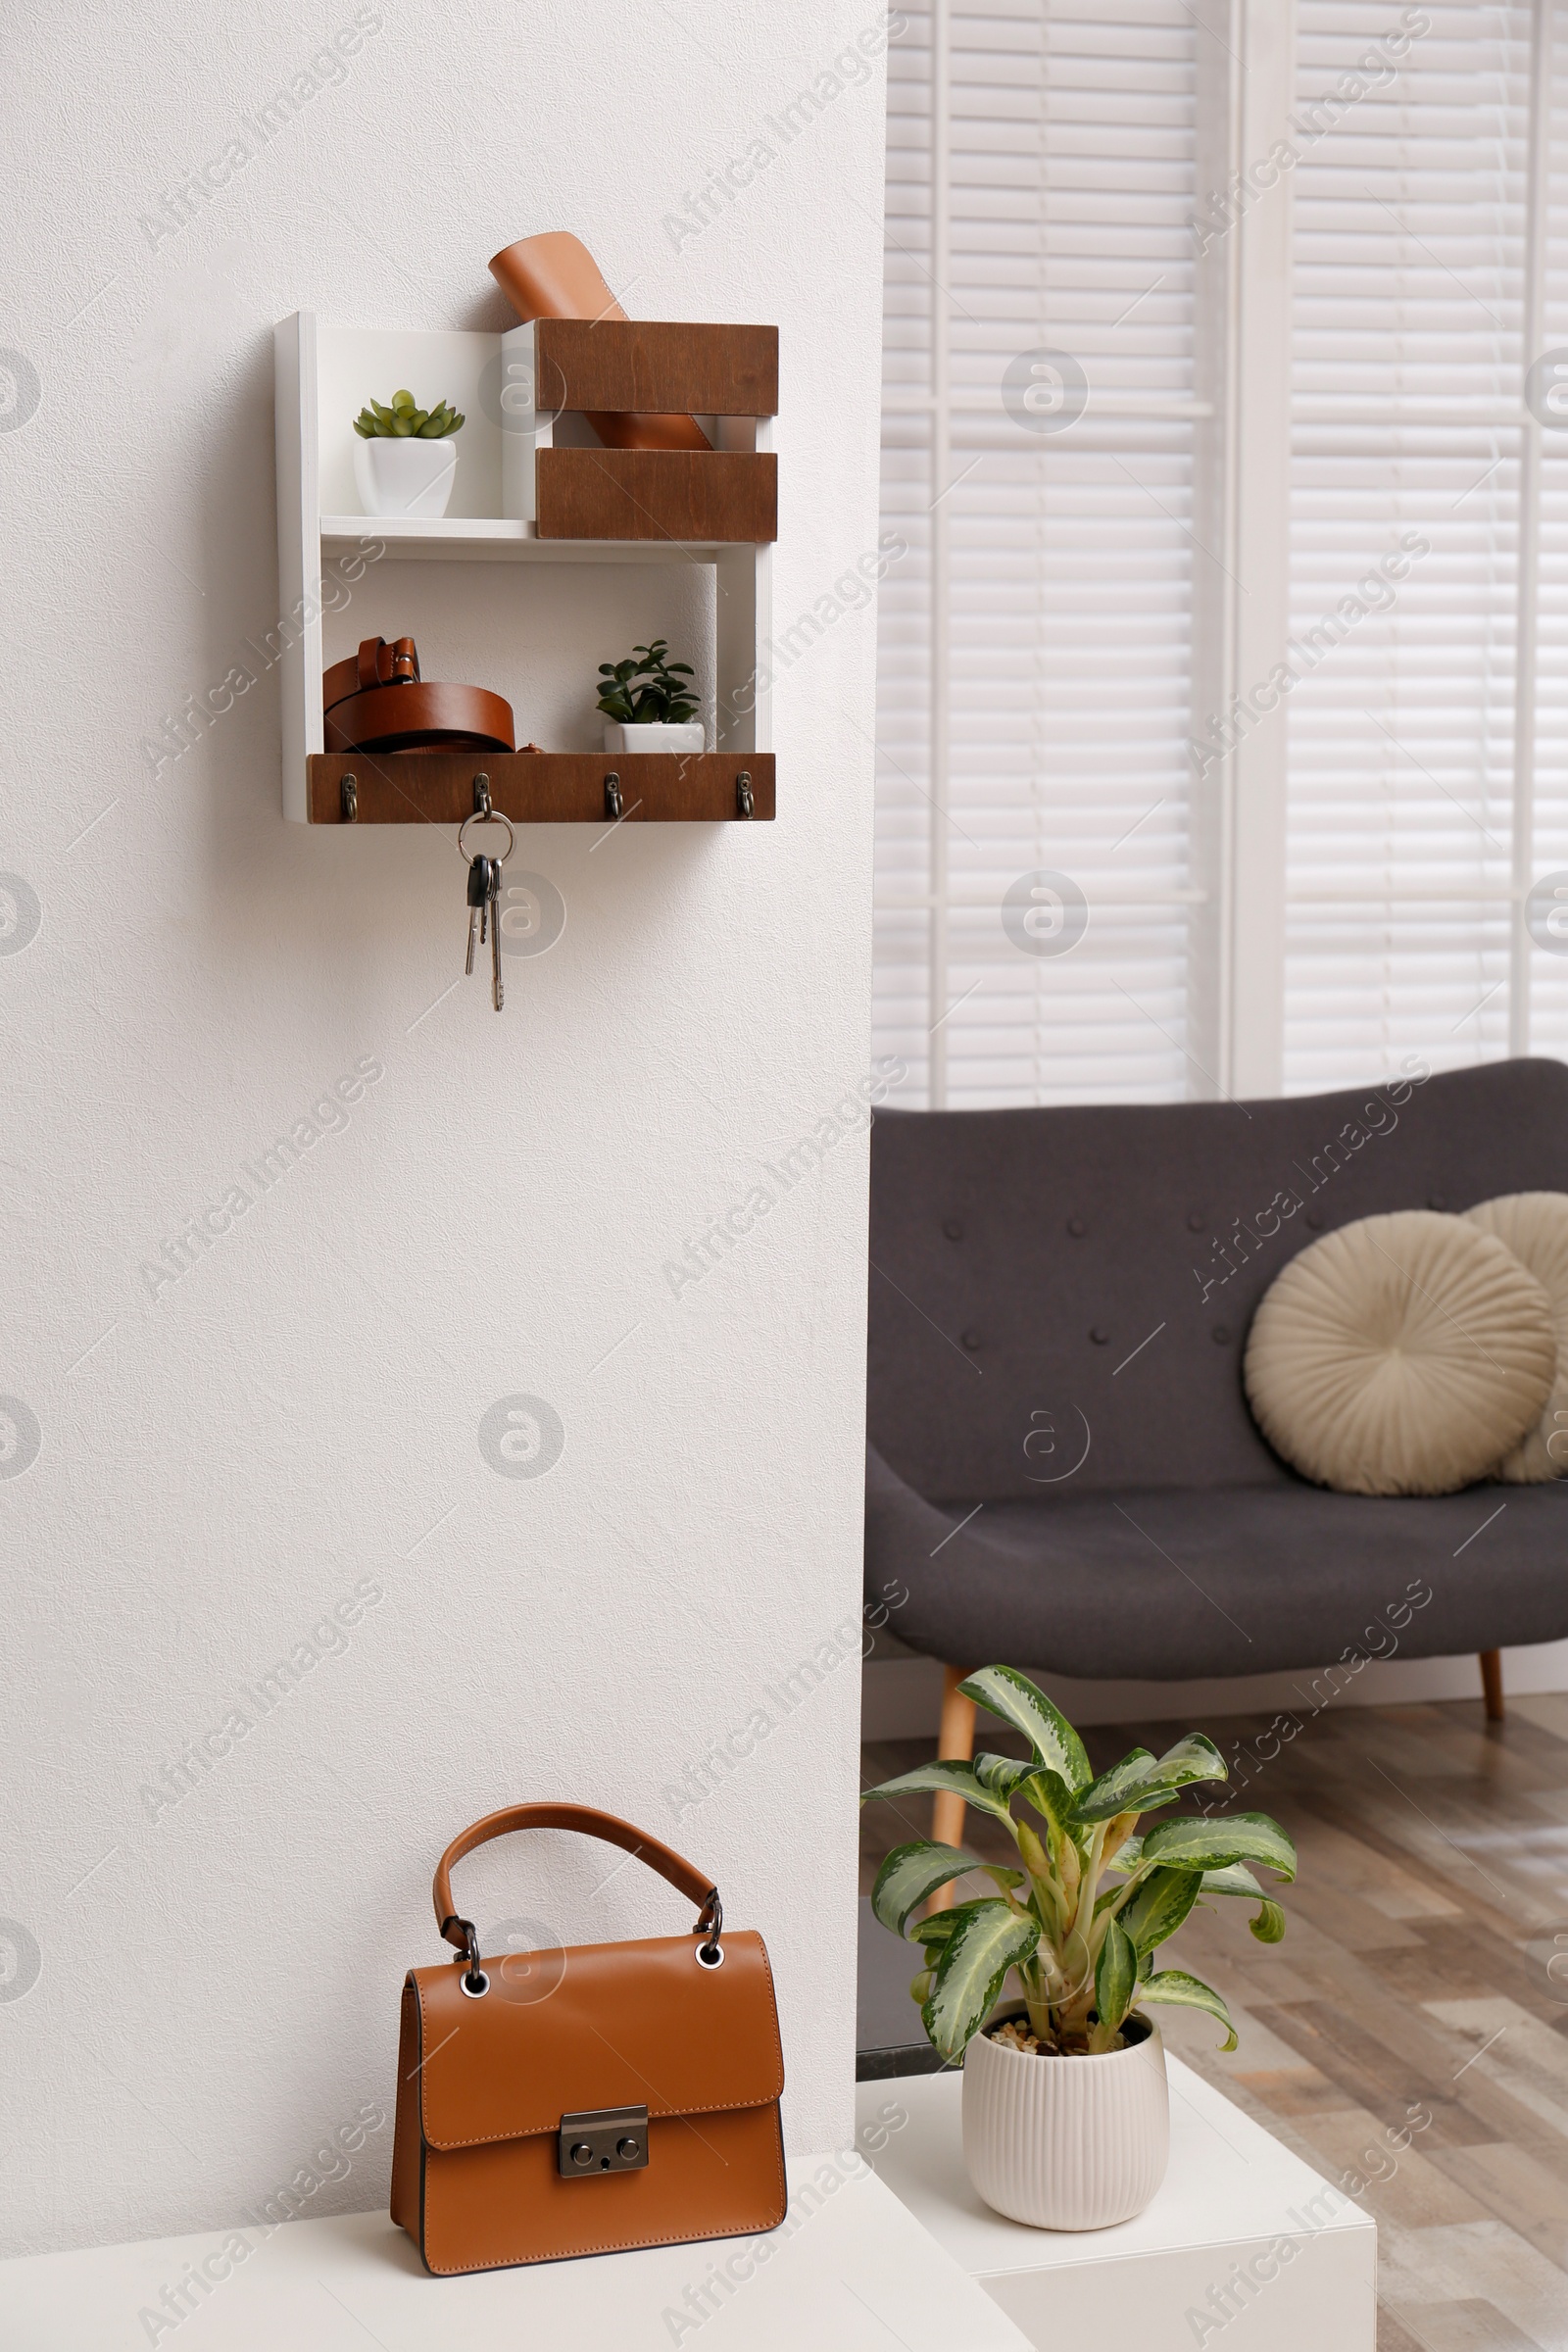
(596, 2025)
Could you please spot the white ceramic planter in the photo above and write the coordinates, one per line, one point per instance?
(1066, 2143)
(405, 477)
(687, 737)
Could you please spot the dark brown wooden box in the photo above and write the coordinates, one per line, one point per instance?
(688, 496)
(657, 366)
(660, 367)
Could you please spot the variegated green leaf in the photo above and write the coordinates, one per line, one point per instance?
(1140, 1782)
(1179, 1990)
(913, 1872)
(1116, 1977)
(1137, 1796)
(1198, 1845)
(1127, 1857)
(1102, 1798)
(989, 1939)
(1051, 1797)
(1192, 1758)
(934, 1930)
(1233, 1878)
(1002, 1775)
(962, 1779)
(1159, 1906)
(1007, 1692)
(1269, 1925)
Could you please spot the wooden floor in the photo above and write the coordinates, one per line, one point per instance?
(1412, 1982)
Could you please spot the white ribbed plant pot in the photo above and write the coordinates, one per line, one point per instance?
(684, 735)
(1066, 2143)
(407, 476)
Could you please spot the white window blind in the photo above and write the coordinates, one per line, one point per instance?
(1079, 603)
(1413, 827)
(1033, 706)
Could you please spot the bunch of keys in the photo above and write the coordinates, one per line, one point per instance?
(485, 894)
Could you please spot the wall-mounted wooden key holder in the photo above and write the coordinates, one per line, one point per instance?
(542, 788)
(535, 486)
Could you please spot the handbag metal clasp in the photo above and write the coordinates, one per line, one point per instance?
(602, 2139)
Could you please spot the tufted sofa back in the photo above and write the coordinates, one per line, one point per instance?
(1060, 1298)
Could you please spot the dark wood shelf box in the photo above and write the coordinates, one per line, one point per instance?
(540, 787)
(726, 374)
(556, 372)
(676, 494)
(659, 367)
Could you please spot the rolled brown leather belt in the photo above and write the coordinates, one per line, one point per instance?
(556, 276)
(375, 701)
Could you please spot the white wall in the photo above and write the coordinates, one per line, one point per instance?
(297, 1415)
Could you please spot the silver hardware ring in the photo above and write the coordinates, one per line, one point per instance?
(493, 816)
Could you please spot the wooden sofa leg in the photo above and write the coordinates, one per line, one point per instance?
(955, 1740)
(1491, 1686)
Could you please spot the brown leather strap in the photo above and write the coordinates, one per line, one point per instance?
(381, 664)
(431, 715)
(590, 1824)
(377, 664)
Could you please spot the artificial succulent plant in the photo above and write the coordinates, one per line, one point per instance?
(406, 420)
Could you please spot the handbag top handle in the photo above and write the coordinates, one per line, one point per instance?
(681, 1874)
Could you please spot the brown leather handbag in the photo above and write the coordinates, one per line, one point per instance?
(590, 2099)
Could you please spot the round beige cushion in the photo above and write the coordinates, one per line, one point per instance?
(1535, 1227)
(1404, 1355)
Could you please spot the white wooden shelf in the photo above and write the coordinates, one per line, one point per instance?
(460, 538)
(323, 376)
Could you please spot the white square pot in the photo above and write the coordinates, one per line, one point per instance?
(687, 737)
(405, 477)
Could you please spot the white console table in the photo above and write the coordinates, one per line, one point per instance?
(1230, 2198)
(903, 2256)
(857, 2274)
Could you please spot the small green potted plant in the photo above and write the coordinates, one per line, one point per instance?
(405, 456)
(1065, 2109)
(648, 704)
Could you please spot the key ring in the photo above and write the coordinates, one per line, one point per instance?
(493, 817)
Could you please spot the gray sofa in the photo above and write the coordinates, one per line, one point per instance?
(1062, 1468)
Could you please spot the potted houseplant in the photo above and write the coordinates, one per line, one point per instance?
(1065, 2112)
(647, 703)
(405, 458)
